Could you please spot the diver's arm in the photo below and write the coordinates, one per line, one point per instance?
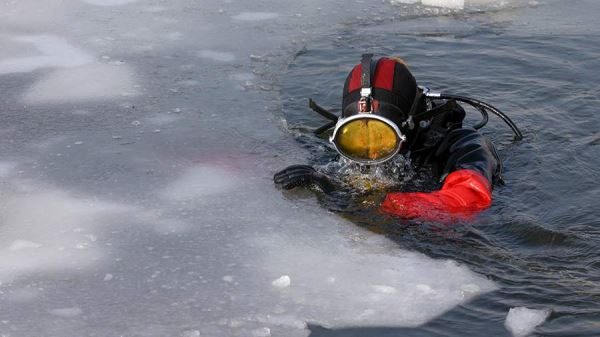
(464, 194)
(469, 163)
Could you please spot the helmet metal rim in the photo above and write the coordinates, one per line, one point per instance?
(343, 121)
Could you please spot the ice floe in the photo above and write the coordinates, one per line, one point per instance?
(521, 321)
(339, 281)
(282, 282)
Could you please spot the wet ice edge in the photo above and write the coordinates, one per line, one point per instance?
(341, 281)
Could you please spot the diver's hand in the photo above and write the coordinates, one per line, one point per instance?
(303, 175)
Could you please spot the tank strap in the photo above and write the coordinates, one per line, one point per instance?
(365, 77)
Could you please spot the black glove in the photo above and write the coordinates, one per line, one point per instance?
(303, 175)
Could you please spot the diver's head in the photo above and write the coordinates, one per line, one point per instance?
(379, 98)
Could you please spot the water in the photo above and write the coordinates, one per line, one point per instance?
(139, 139)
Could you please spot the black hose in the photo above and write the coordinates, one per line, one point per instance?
(482, 105)
(321, 111)
(484, 118)
(324, 128)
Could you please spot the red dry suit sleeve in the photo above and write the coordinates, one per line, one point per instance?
(464, 193)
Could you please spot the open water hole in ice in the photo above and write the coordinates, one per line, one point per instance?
(139, 138)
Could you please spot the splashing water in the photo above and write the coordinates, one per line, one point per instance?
(362, 178)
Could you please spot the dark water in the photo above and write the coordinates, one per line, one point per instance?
(539, 241)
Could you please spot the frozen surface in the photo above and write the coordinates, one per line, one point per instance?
(139, 142)
(521, 321)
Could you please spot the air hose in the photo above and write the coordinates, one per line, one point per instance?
(483, 107)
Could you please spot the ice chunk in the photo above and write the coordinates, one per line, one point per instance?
(282, 282)
(261, 332)
(282, 320)
(190, 333)
(108, 277)
(255, 16)
(457, 4)
(91, 82)
(66, 312)
(521, 321)
(219, 56)
(23, 244)
(341, 281)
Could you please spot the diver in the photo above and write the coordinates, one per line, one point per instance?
(386, 114)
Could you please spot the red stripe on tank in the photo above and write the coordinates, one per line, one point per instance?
(384, 74)
(355, 82)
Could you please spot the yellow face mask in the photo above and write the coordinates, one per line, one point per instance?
(367, 138)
